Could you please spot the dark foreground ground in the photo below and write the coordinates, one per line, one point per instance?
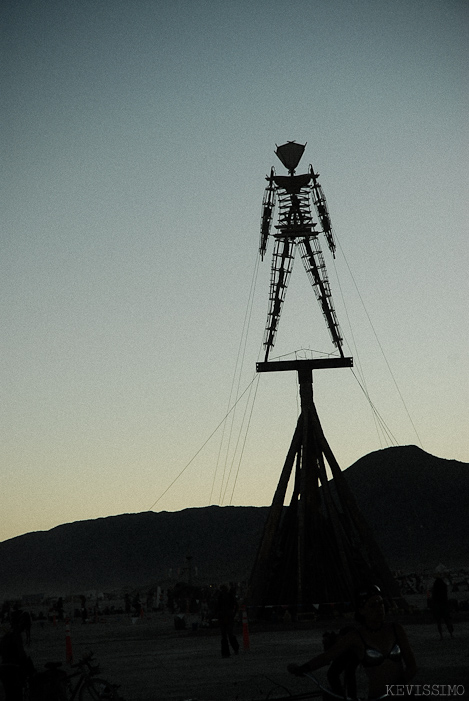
(155, 662)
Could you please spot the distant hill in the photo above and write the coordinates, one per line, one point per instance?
(416, 503)
(133, 549)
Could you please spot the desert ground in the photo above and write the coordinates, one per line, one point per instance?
(152, 661)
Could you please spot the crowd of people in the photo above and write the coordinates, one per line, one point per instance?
(380, 647)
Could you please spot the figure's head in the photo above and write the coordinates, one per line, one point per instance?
(370, 608)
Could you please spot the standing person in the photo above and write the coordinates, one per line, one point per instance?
(382, 648)
(16, 666)
(137, 604)
(227, 607)
(25, 624)
(84, 611)
(127, 604)
(5, 612)
(440, 605)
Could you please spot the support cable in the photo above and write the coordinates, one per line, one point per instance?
(239, 365)
(356, 355)
(239, 439)
(244, 442)
(381, 348)
(237, 371)
(377, 416)
(203, 445)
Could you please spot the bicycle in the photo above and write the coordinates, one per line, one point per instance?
(322, 692)
(56, 685)
(332, 695)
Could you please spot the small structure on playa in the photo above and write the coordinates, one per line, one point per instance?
(318, 549)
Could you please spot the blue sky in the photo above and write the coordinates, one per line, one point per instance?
(136, 137)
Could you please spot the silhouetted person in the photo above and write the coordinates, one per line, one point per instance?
(127, 604)
(440, 605)
(60, 608)
(137, 604)
(5, 613)
(227, 608)
(84, 612)
(16, 665)
(25, 625)
(381, 647)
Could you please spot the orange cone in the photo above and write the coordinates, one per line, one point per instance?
(68, 643)
(246, 643)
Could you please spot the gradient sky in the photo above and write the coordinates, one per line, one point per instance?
(136, 136)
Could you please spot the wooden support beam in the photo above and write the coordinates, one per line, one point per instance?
(300, 365)
(349, 502)
(319, 548)
(266, 551)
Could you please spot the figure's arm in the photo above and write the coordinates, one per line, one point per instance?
(345, 643)
(320, 204)
(268, 205)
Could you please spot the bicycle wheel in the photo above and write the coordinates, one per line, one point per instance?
(95, 689)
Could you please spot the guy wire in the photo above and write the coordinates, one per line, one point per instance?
(237, 371)
(381, 348)
(203, 445)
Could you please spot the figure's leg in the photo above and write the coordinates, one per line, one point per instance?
(350, 680)
(12, 682)
(233, 639)
(449, 624)
(225, 648)
(282, 263)
(333, 675)
(313, 261)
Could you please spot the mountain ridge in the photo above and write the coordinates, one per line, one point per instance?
(415, 503)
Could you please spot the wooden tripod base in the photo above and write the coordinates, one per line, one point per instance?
(319, 548)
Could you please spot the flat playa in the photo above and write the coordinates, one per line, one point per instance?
(152, 661)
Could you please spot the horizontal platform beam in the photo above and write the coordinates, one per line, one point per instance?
(318, 364)
(296, 232)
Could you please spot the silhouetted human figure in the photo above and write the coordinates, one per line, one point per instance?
(5, 612)
(440, 605)
(25, 624)
(137, 604)
(227, 607)
(16, 665)
(381, 647)
(127, 604)
(84, 612)
(60, 608)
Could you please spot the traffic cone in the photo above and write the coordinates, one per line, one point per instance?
(246, 644)
(68, 643)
